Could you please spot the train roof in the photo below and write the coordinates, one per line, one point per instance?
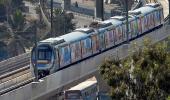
(70, 37)
(154, 5)
(123, 18)
(85, 30)
(113, 21)
(83, 85)
(143, 10)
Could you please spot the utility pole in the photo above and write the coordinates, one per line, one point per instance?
(36, 52)
(99, 9)
(52, 34)
(102, 11)
(169, 12)
(127, 21)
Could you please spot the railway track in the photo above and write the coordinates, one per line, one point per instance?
(15, 79)
(14, 63)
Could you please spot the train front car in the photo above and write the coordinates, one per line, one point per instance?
(44, 59)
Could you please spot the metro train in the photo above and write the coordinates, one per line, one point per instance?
(54, 54)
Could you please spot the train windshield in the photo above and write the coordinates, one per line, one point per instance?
(43, 53)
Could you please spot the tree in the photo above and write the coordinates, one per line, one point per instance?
(145, 75)
(16, 34)
(62, 22)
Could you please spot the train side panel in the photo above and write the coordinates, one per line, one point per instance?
(156, 18)
(95, 43)
(75, 51)
(56, 61)
(124, 32)
(162, 15)
(102, 39)
(135, 25)
(65, 55)
(118, 34)
(109, 38)
(139, 22)
(86, 45)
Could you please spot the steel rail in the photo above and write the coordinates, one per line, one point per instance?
(15, 79)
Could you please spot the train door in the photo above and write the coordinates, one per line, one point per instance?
(124, 31)
(131, 29)
(150, 20)
(65, 55)
(145, 23)
(139, 22)
(162, 15)
(136, 27)
(133, 26)
(102, 40)
(86, 45)
(156, 18)
(109, 38)
(75, 51)
(118, 34)
(56, 64)
(95, 43)
(142, 24)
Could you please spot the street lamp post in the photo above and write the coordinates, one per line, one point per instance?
(169, 12)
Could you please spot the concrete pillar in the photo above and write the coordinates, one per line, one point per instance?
(66, 4)
(99, 9)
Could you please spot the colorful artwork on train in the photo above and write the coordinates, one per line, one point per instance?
(65, 56)
(109, 41)
(102, 40)
(95, 43)
(75, 51)
(86, 47)
(61, 52)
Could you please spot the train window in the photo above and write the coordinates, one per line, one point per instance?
(44, 55)
(48, 55)
(41, 55)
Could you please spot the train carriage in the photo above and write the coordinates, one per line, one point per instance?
(54, 54)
